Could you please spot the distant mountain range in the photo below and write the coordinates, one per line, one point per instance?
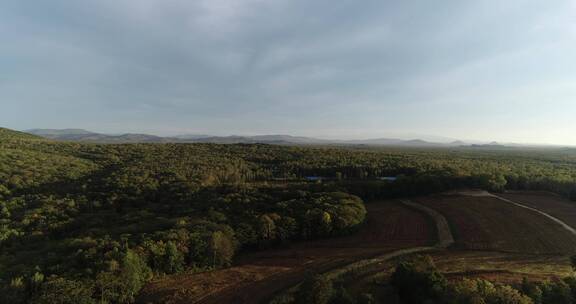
(88, 136)
(81, 135)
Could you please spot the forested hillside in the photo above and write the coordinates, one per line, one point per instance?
(87, 223)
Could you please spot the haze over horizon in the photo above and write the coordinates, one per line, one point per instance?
(427, 138)
(482, 70)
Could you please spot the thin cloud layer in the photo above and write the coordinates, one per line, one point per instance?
(499, 70)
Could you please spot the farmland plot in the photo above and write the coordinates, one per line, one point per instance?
(552, 204)
(487, 223)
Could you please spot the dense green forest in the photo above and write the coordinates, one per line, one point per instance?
(87, 223)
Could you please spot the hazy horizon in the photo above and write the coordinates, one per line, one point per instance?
(431, 138)
(485, 70)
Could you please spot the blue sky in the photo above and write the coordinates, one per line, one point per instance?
(488, 70)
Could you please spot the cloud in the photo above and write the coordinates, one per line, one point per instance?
(284, 63)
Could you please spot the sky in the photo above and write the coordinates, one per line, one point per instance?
(486, 69)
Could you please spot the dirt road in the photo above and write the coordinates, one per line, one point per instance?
(365, 267)
(444, 240)
(445, 237)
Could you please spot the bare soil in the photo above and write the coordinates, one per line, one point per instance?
(489, 223)
(552, 204)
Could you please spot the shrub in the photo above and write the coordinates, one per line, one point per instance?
(532, 290)
(58, 290)
(342, 296)
(123, 285)
(315, 289)
(174, 259)
(418, 280)
(366, 298)
(556, 292)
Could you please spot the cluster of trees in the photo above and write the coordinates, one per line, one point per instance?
(99, 246)
(319, 289)
(419, 281)
(425, 183)
(120, 283)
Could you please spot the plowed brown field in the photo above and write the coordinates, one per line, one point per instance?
(488, 223)
(552, 204)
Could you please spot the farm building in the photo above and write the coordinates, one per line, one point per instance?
(388, 178)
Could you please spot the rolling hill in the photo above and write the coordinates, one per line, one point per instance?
(8, 134)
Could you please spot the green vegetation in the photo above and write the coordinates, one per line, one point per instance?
(418, 281)
(315, 289)
(85, 223)
(420, 272)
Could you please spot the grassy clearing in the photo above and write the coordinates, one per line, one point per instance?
(506, 268)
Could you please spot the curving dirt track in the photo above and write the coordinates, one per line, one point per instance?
(445, 237)
(258, 276)
(367, 267)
